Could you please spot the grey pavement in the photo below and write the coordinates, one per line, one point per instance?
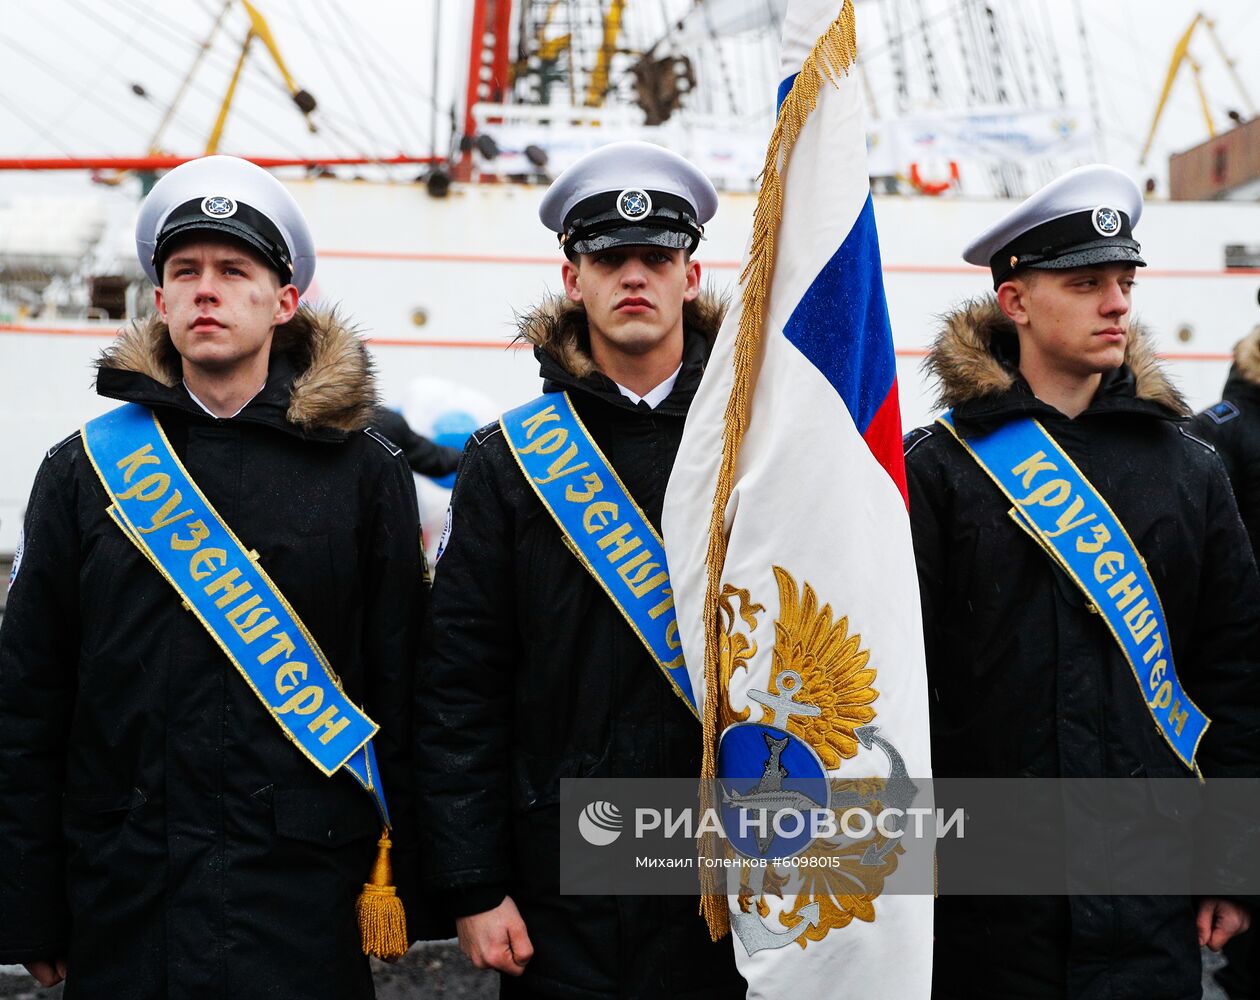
(435, 971)
(430, 971)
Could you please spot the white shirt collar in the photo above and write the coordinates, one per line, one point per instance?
(192, 395)
(655, 396)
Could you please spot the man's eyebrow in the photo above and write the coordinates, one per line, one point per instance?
(188, 258)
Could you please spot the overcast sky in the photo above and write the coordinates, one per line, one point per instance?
(67, 68)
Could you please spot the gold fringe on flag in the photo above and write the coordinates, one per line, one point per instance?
(382, 921)
(830, 59)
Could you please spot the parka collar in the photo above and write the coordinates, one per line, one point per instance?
(558, 330)
(975, 364)
(320, 383)
(1244, 375)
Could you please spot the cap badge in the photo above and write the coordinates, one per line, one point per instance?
(1106, 221)
(218, 206)
(633, 204)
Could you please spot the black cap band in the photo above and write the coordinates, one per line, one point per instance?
(220, 214)
(630, 218)
(1098, 236)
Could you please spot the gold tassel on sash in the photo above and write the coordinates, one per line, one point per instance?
(830, 59)
(382, 921)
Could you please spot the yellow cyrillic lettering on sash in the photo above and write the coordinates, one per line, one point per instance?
(1125, 586)
(325, 721)
(304, 702)
(552, 440)
(1141, 620)
(531, 424)
(1101, 537)
(556, 470)
(226, 582)
(1032, 465)
(203, 556)
(1157, 674)
(164, 516)
(251, 628)
(624, 545)
(601, 510)
(671, 635)
(290, 675)
(1163, 697)
(1157, 647)
(664, 606)
(1108, 565)
(199, 534)
(150, 488)
(1178, 716)
(1067, 520)
(1050, 494)
(139, 457)
(593, 485)
(283, 645)
(648, 577)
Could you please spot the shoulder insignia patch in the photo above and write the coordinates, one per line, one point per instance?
(383, 441)
(1196, 440)
(446, 536)
(914, 438)
(17, 556)
(1222, 412)
(62, 443)
(484, 434)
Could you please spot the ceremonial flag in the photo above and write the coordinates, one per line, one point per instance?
(790, 554)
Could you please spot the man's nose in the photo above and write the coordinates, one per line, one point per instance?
(206, 287)
(633, 274)
(1115, 302)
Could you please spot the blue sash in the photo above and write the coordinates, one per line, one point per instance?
(163, 513)
(1063, 513)
(603, 525)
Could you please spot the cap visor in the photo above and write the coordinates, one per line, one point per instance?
(1089, 256)
(226, 227)
(633, 236)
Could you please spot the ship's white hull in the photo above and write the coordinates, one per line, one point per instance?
(391, 254)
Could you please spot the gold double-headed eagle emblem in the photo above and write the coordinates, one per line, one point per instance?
(815, 662)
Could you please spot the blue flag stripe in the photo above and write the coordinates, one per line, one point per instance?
(841, 323)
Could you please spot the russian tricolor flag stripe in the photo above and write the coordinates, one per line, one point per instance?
(845, 304)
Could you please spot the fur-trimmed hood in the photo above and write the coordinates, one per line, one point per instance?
(973, 358)
(1247, 358)
(557, 327)
(332, 388)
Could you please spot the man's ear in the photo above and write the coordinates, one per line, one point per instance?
(287, 304)
(159, 300)
(1012, 297)
(692, 290)
(569, 273)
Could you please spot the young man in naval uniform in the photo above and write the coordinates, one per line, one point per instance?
(535, 674)
(1026, 679)
(1232, 426)
(161, 834)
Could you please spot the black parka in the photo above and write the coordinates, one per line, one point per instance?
(1025, 682)
(157, 828)
(535, 676)
(1233, 426)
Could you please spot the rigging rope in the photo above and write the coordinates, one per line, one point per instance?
(83, 92)
(352, 32)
